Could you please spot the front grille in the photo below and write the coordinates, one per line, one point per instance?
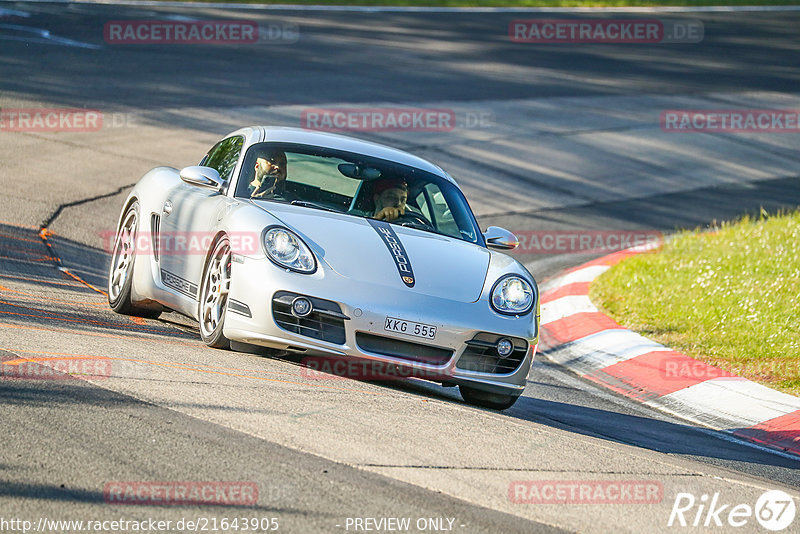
(405, 350)
(481, 355)
(325, 322)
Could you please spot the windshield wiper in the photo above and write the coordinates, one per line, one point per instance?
(307, 204)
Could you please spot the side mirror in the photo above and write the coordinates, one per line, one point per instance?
(203, 177)
(500, 238)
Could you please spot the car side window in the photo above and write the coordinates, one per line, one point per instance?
(422, 202)
(224, 156)
(438, 211)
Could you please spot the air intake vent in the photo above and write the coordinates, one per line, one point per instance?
(325, 322)
(406, 350)
(155, 236)
(481, 355)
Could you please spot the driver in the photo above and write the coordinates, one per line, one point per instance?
(390, 196)
(270, 177)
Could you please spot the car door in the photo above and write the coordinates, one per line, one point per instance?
(190, 217)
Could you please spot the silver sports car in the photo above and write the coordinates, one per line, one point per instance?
(335, 249)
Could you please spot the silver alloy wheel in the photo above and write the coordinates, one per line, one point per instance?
(216, 285)
(122, 257)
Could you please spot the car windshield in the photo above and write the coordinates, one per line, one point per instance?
(357, 185)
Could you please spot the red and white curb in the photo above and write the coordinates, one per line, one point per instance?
(575, 334)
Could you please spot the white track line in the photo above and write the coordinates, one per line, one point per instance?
(583, 274)
(565, 307)
(570, 377)
(13, 13)
(40, 35)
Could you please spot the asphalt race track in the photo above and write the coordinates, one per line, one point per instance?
(561, 137)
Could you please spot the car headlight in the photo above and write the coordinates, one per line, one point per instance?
(512, 295)
(287, 250)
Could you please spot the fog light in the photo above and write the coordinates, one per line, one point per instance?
(301, 307)
(505, 347)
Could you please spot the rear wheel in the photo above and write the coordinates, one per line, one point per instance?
(120, 274)
(214, 295)
(494, 401)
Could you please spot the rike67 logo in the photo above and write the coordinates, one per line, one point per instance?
(774, 510)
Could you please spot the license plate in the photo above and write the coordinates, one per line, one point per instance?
(410, 328)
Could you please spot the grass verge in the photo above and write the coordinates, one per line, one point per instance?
(729, 297)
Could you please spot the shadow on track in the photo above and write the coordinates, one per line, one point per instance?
(412, 58)
(35, 292)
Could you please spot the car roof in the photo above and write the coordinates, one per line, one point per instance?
(282, 134)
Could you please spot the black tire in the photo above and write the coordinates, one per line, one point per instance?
(120, 272)
(213, 295)
(493, 401)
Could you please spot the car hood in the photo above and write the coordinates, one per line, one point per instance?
(442, 266)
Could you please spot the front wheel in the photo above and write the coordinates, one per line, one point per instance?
(214, 295)
(120, 274)
(494, 401)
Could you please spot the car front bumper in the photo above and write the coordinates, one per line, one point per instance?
(250, 320)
